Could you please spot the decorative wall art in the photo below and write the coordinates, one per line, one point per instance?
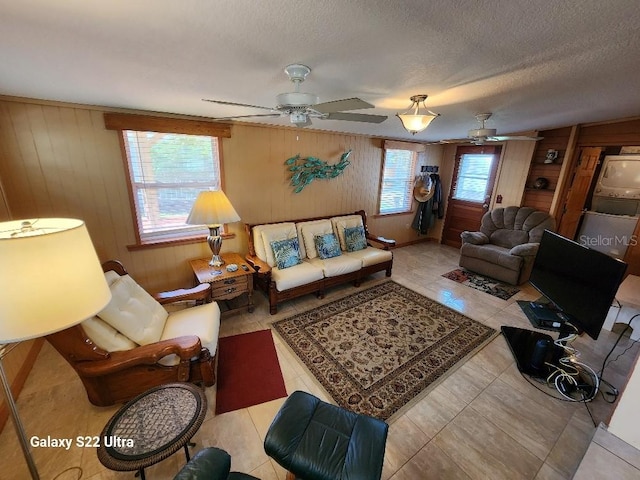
(306, 170)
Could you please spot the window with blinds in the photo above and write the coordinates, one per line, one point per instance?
(397, 181)
(474, 172)
(167, 171)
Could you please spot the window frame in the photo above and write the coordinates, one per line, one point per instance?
(416, 151)
(139, 123)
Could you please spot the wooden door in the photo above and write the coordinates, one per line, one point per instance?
(578, 191)
(474, 175)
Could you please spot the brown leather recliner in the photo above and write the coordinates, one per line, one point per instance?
(114, 368)
(507, 243)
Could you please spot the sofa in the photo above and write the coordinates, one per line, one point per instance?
(507, 243)
(297, 257)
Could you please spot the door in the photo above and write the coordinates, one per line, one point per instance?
(474, 175)
(578, 191)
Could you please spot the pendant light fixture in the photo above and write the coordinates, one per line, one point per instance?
(412, 119)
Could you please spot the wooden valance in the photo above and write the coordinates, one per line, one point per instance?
(398, 145)
(144, 123)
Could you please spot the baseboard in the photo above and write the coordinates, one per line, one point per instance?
(21, 377)
(417, 240)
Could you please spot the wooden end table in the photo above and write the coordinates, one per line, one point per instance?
(226, 285)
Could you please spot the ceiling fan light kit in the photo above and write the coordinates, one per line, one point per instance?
(412, 120)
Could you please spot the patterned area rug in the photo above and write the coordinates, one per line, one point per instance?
(376, 350)
(484, 284)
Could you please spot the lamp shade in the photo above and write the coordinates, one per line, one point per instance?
(212, 208)
(50, 278)
(412, 120)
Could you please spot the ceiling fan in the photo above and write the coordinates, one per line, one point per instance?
(479, 136)
(301, 107)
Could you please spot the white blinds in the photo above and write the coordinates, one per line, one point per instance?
(397, 181)
(473, 177)
(167, 172)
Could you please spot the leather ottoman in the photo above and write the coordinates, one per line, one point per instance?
(315, 440)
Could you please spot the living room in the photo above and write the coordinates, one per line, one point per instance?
(59, 159)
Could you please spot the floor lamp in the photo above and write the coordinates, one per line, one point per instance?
(50, 279)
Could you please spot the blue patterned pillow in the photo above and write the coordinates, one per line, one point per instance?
(286, 253)
(354, 238)
(327, 245)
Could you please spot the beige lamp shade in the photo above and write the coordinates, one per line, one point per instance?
(212, 208)
(50, 278)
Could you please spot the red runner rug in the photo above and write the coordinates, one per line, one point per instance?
(248, 371)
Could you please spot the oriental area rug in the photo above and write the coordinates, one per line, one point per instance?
(248, 371)
(484, 284)
(378, 349)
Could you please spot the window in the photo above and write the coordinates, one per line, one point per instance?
(398, 171)
(168, 164)
(473, 177)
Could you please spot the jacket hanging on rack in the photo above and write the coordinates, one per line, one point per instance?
(431, 208)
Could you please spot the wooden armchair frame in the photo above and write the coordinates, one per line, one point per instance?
(115, 377)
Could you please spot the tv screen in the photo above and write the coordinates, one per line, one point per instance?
(579, 281)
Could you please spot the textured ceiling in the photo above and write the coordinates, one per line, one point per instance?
(534, 64)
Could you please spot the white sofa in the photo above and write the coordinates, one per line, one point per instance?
(312, 273)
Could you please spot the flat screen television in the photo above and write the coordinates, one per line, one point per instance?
(579, 281)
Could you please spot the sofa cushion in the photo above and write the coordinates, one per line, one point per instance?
(327, 245)
(295, 276)
(201, 320)
(477, 238)
(370, 256)
(308, 230)
(133, 312)
(286, 252)
(263, 235)
(492, 254)
(354, 238)
(345, 221)
(332, 267)
(105, 336)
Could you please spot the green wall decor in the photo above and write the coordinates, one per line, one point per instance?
(306, 170)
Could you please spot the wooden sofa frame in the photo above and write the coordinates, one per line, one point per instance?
(264, 281)
(116, 377)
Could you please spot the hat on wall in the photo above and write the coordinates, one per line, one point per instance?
(422, 192)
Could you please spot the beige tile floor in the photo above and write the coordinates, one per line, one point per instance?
(483, 421)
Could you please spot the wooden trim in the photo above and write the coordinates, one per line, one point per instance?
(144, 123)
(18, 382)
(397, 145)
(173, 242)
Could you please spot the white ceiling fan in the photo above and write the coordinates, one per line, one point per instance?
(301, 107)
(479, 136)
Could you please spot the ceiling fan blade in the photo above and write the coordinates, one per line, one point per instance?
(503, 138)
(456, 140)
(248, 116)
(221, 102)
(340, 105)
(356, 117)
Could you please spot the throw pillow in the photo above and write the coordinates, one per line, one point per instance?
(286, 252)
(355, 239)
(327, 246)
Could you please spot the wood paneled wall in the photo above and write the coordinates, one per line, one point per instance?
(59, 160)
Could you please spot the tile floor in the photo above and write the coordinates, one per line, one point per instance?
(483, 421)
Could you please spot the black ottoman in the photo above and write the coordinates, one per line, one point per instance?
(315, 440)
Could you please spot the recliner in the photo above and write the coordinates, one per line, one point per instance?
(507, 243)
(211, 464)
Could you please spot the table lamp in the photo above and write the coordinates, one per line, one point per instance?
(212, 208)
(50, 279)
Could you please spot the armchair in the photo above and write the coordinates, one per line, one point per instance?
(134, 344)
(506, 244)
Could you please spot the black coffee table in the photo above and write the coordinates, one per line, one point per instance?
(152, 426)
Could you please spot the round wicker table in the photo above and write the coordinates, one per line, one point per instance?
(152, 426)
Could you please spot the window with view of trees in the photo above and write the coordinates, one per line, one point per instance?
(397, 181)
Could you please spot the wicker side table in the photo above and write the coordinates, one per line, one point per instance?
(152, 426)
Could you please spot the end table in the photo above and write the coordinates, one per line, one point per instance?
(226, 285)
